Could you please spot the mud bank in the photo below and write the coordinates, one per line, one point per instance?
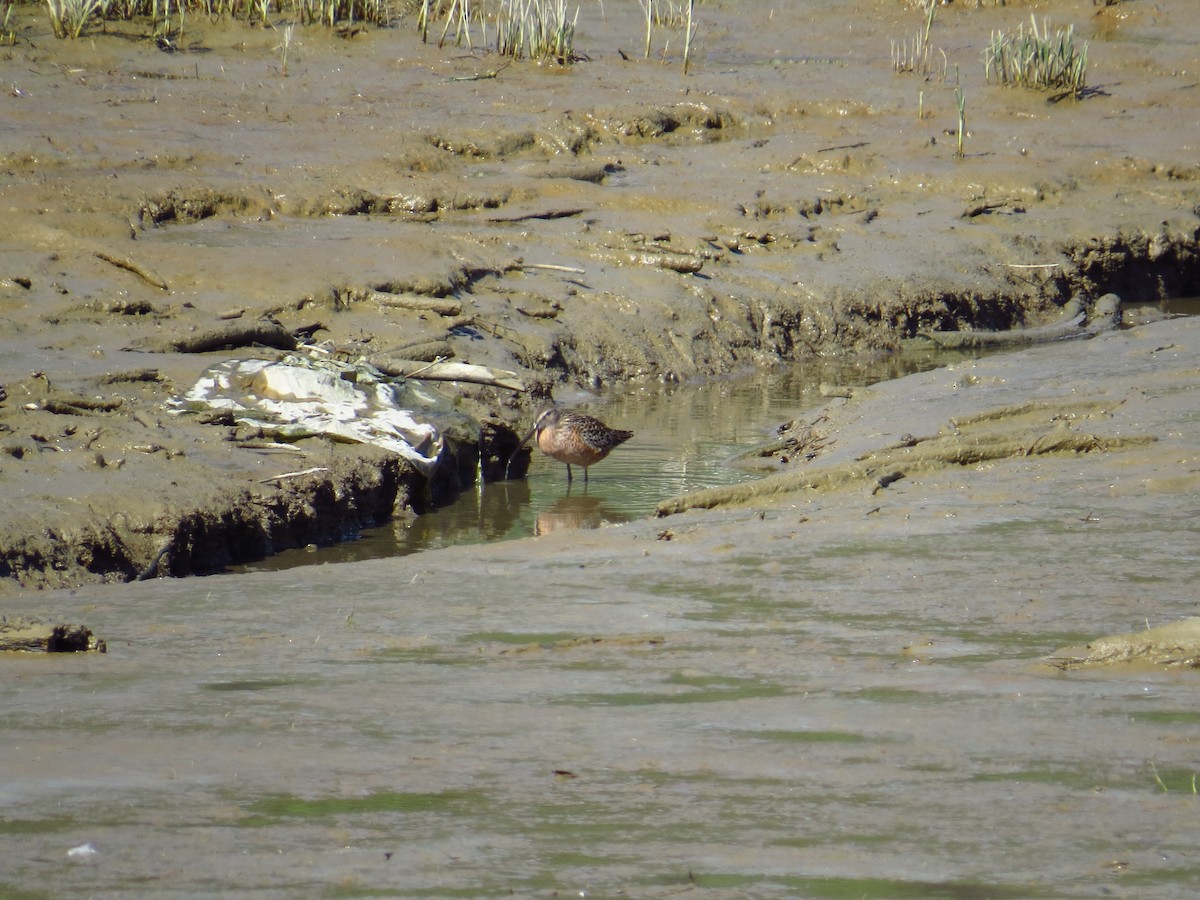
(610, 222)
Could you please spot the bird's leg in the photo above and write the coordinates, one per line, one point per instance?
(569, 473)
(585, 474)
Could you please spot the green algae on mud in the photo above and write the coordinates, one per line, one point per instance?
(271, 810)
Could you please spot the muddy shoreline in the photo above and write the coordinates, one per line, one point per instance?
(854, 691)
(585, 228)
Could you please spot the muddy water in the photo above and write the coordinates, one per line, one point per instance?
(820, 714)
(686, 438)
(842, 697)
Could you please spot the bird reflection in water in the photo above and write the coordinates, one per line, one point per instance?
(579, 511)
(482, 515)
(502, 510)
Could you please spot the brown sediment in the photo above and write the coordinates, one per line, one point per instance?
(1174, 646)
(26, 635)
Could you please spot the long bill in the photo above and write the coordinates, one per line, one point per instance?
(521, 444)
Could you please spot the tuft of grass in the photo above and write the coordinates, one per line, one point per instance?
(525, 29)
(961, 100)
(1162, 784)
(7, 34)
(648, 9)
(331, 12)
(69, 17)
(458, 14)
(912, 56)
(536, 29)
(1037, 58)
(672, 14)
(285, 46)
(688, 35)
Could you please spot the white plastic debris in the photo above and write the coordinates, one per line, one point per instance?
(299, 397)
(82, 852)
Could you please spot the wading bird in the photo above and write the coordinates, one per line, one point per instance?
(573, 438)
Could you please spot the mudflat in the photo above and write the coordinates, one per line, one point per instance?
(861, 677)
(840, 686)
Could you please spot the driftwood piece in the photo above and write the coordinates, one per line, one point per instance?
(551, 267)
(446, 371)
(424, 351)
(80, 406)
(1076, 322)
(131, 375)
(228, 337)
(129, 265)
(683, 263)
(418, 302)
(300, 474)
(22, 635)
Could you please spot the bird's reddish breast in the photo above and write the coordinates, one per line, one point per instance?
(569, 441)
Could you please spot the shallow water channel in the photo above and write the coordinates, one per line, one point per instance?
(686, 438)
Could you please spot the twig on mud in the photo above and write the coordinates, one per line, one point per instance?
(130, 266)
(482, 76)
(432, 363)
(1033, 265)
(271, 447)
(838, 147)
(446, 371)
(549, 214)
(553, 268)
(287, 475)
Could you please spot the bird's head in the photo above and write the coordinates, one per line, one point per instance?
(548, 417)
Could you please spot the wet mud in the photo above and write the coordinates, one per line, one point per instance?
(861, 691)
(1173, 646)
(616, 221)
(893, 685)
